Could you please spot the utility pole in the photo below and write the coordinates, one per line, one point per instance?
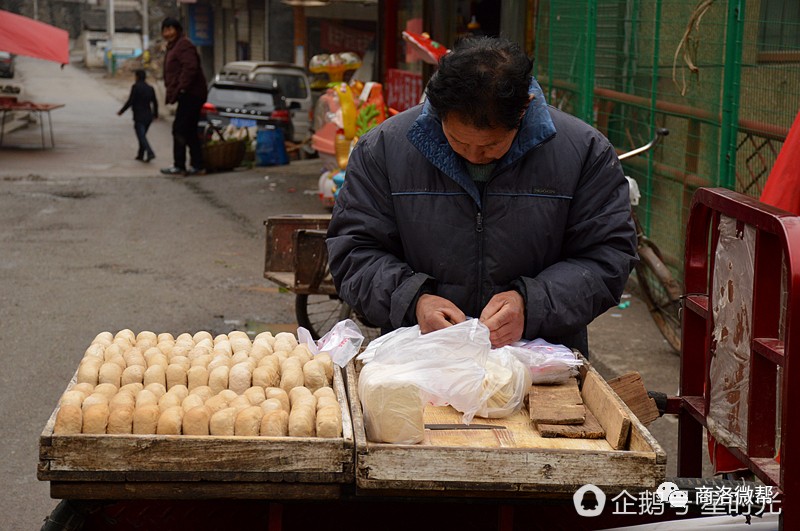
(110, 42)
(35, 9)
(145, 32)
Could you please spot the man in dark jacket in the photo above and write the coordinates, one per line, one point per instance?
(483, 202)
(142, 101)
(186, 85)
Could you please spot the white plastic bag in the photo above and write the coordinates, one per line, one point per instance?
(342, 342)
(547, 363)
(446, 365)
(505, 385)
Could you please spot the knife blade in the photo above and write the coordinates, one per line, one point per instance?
(464, 427)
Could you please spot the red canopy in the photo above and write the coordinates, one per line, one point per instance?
(25, 36)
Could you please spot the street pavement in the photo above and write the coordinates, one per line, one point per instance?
(92, 240)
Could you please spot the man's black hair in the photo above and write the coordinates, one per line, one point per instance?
(484, 81)
(170, 22)
(140, 74)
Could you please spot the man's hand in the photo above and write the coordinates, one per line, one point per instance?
(435, 313)
(505, 318)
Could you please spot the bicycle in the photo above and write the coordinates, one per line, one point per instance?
(660, 290)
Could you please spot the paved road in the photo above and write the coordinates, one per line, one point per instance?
(91, 240)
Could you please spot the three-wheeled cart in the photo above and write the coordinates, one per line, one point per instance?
(741, 326)
(297, 261)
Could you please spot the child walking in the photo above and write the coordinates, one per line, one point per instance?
(142, 101)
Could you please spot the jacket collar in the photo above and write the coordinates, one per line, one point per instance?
(427, 136)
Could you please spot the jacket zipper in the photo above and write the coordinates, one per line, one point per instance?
(479, 231)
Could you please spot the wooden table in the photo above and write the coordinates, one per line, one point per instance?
(38, 108)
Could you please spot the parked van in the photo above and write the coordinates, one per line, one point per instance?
(291, 79)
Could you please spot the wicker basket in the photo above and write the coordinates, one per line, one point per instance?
(223, 155)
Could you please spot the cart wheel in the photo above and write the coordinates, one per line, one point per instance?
(661, 293)
(319, 313)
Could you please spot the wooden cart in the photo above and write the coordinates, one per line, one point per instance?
(297, 261)
(441, 485)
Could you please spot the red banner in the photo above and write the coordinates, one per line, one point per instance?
(403, 89)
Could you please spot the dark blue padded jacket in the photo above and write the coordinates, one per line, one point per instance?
(553, 222)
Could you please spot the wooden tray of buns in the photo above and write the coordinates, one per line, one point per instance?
(130, 466)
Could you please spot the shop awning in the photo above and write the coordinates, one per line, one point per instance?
(25, 36)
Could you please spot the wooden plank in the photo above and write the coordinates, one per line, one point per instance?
(606, 406)
(425, 467)
(630, 388)
(557, 404)
(590, 429)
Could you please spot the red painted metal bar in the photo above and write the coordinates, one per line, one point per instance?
(775, 341)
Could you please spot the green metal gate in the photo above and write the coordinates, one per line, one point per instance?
(722, 76)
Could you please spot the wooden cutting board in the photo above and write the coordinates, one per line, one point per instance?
(557, 404)
(590, 429)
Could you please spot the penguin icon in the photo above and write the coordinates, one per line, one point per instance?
(589, 500)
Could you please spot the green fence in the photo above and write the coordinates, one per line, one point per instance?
(722, 76)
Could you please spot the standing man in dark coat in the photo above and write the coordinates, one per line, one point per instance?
(142, 101)
(186, 85)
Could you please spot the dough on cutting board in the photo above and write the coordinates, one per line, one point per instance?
(393, 411)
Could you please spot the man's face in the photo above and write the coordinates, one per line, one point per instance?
(169, 33)
(478, 146)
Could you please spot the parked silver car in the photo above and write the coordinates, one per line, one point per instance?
(291, 79)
